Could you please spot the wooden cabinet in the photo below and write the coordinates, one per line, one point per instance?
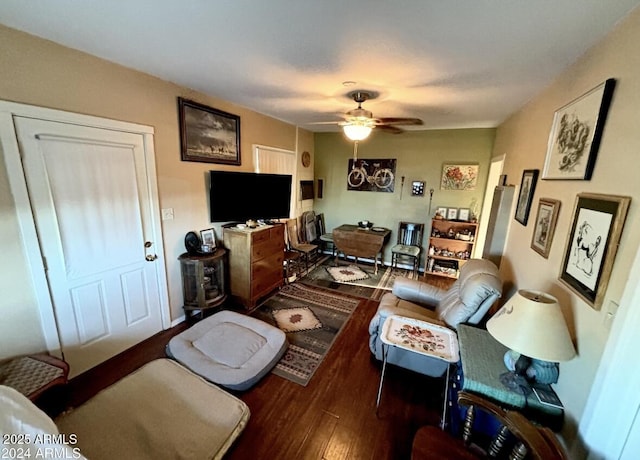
(450, 246)
(255, 262)
(203, 280)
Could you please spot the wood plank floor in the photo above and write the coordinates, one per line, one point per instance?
(333, 417)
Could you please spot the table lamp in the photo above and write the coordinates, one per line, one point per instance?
(531, 323)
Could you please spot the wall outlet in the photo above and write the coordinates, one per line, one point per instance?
(167, 214)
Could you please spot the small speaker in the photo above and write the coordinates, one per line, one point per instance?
(320, 187)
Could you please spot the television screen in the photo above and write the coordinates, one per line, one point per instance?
(240, 196)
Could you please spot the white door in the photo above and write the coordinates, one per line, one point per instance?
(88, 189)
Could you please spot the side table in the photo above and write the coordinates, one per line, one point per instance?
(481, 366)
(419, 337)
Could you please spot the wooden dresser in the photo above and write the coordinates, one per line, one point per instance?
(255, 262)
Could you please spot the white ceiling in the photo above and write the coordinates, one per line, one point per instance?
(454, 64)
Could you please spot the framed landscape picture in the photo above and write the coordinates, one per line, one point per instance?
(575, 134)
(208, 135)
(525, 196)
(592, 244)
(545, 226)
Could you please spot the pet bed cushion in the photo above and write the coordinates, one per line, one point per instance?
(230, 349)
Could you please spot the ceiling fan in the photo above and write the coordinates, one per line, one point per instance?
(359, 122)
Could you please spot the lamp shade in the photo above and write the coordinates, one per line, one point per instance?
(531, 323)
(357, 131)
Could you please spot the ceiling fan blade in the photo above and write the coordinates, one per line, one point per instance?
(400, 121)
(390, 129)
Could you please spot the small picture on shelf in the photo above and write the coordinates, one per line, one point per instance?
(441, 213)
(464, 214)
(452, 213)
(208, 238)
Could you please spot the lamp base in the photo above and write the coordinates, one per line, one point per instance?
(514, 382)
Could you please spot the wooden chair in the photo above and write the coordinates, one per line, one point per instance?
(409, 245)
(516, 438)
(306, 250)
(325, 239)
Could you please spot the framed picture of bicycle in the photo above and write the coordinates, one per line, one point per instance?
(372, 175)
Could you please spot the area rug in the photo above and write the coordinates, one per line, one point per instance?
(312, 318)
(367, 286)
(347, 274)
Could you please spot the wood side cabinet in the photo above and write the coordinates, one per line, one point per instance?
(256, 257)
(203, 280)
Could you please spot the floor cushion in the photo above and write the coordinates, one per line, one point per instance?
(160, 411)
(230, 349)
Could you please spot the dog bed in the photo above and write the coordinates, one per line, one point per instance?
(230, 349)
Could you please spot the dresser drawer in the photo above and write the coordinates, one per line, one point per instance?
(266, 273)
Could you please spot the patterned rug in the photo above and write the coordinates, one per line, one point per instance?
(371, 286)
(312, 319)
(347, 274)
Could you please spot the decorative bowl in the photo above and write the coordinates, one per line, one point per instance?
(365, 224)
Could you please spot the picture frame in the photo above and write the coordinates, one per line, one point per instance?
(592, 244)
(371, 175)
(417, 188)
(208, 135)
(575, 134)
(464, 214)
(208, 237)
(452, 213)
(525, 195)
(545, 226)
(459, 176)
(441, 211)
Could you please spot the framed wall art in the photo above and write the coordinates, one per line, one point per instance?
(452, 213)
(592, 244)
(459, 177)
(371, 175)
(525, 196)
(575, 134)
(208, 135)
(545, 226)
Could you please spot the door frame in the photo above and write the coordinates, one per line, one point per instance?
(26, 220)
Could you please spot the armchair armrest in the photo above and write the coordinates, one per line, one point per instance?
(417, 291)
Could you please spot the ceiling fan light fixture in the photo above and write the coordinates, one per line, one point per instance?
(356, 132)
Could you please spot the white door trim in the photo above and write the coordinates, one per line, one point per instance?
(612, 407)
(26, 221)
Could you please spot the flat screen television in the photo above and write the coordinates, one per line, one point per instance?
(240, 196)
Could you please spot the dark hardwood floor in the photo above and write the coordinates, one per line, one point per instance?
(333, 417)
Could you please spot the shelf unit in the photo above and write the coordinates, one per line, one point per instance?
(203, 280)
(450, 246)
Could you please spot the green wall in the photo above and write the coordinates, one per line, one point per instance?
(419, 156)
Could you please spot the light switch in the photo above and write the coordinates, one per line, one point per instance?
(167, 214)
(610, 314)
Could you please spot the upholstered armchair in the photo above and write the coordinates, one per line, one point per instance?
(466, 301)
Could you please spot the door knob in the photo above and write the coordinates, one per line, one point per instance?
(151, 257)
